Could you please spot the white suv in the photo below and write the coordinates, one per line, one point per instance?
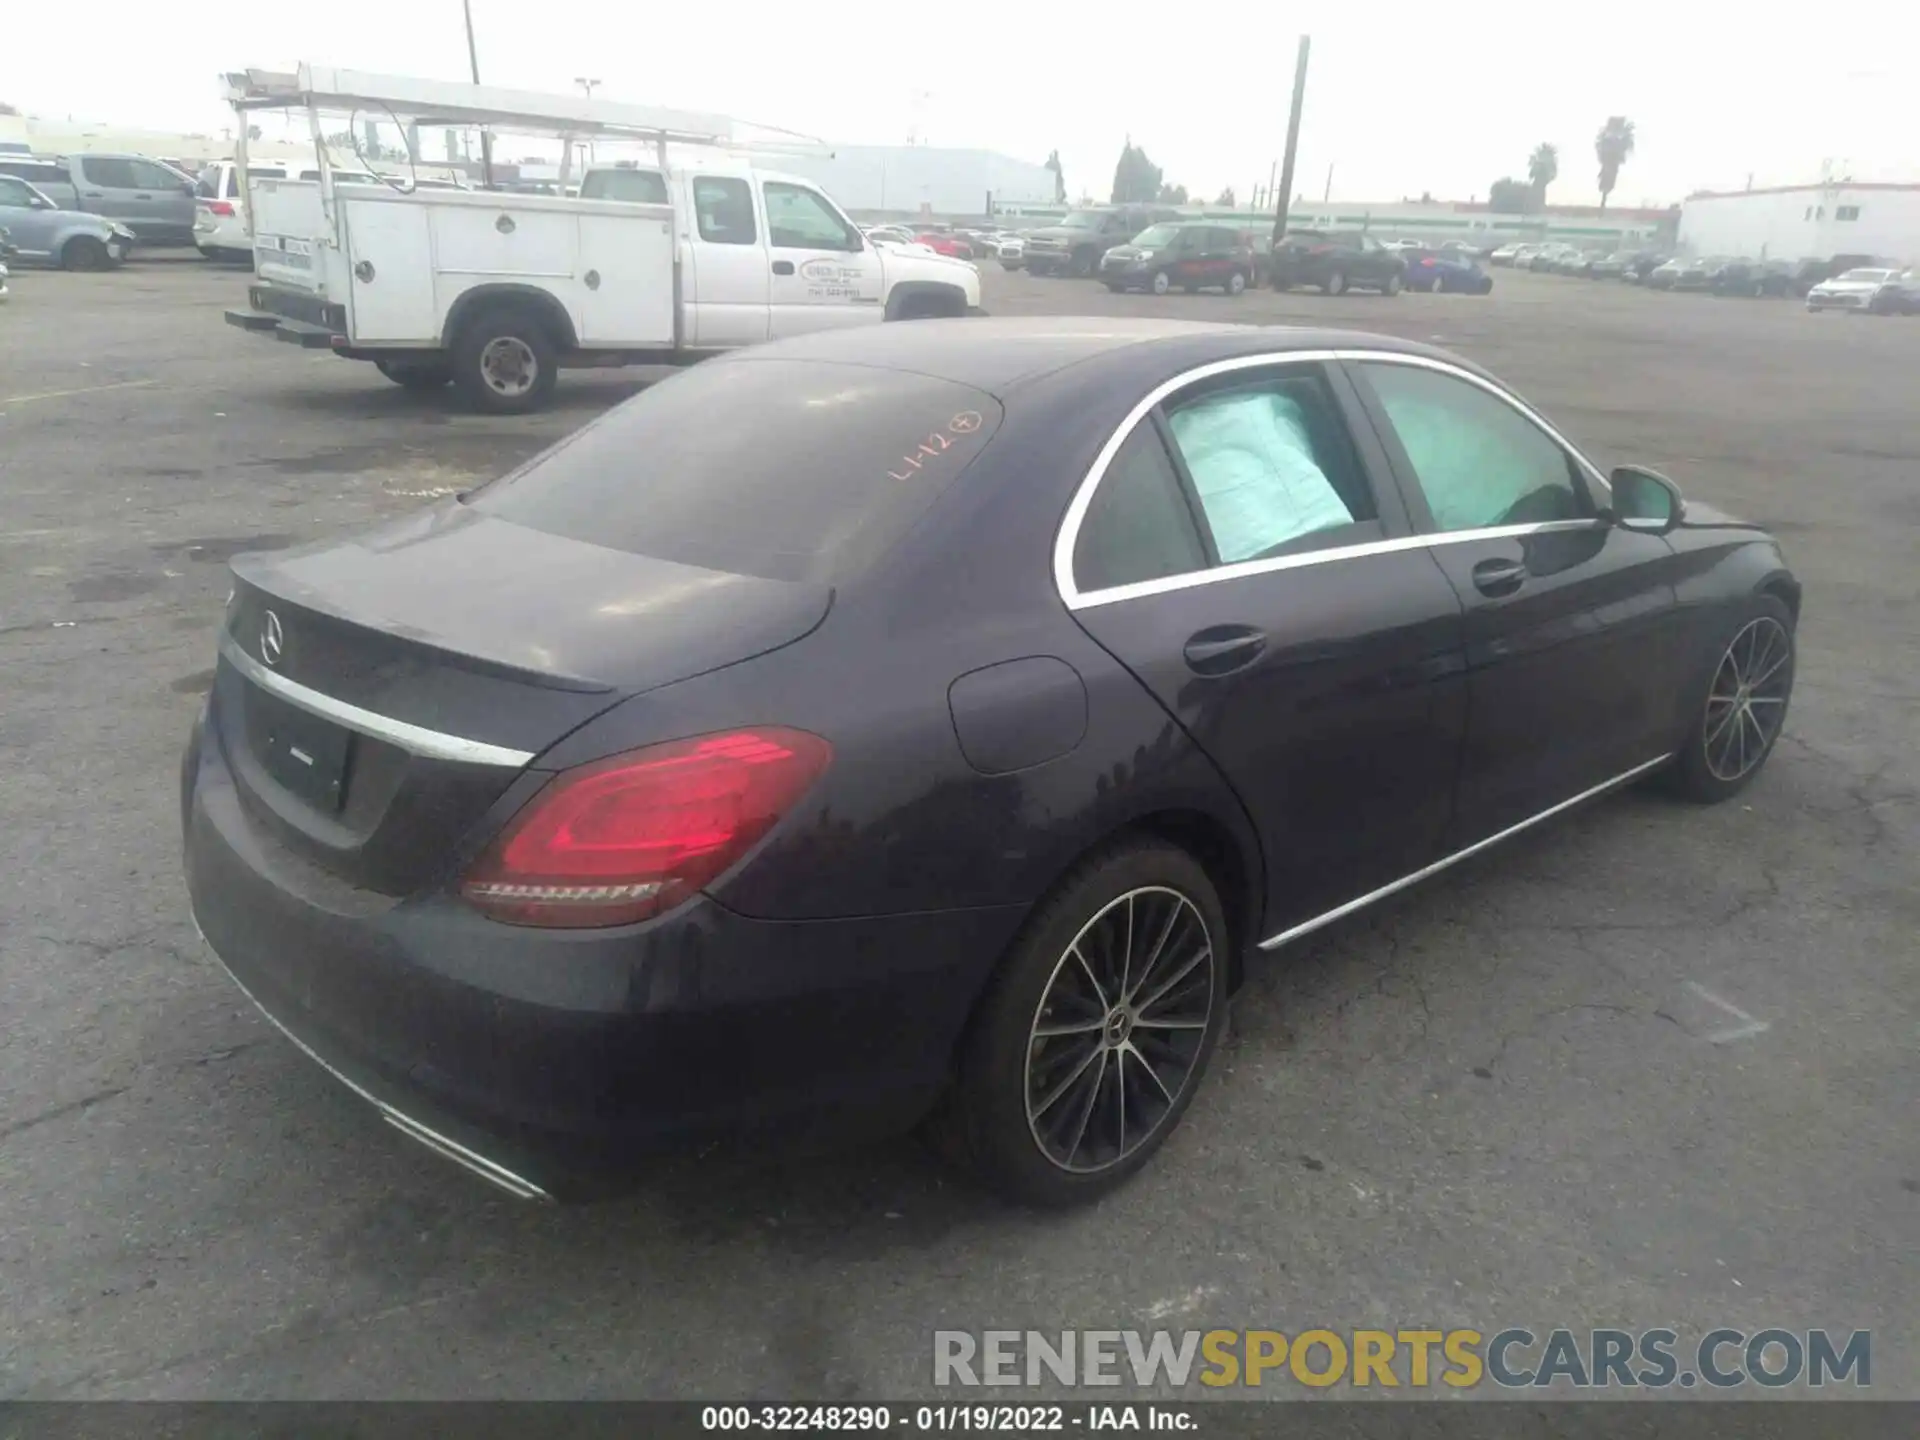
(220, 209)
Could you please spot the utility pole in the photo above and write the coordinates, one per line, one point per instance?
(1327, 198)
(587, 85)
(473, 63)
(1285, 196)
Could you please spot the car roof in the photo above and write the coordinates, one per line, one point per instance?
(1000, 355)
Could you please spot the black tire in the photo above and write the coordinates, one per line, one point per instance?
(84, 252)
(1705, 771)
(1237, 283)
(1335, 283)
(490, 345)
(1083, 263)
(987, 1122)
(1163, 282)
(1393, 285)
(421, 376)
(1115, 286)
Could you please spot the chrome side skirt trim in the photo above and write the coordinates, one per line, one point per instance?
(414, 739)
(491, 1171)
(1306, 927)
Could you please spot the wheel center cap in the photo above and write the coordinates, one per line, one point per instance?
(1119, 1027)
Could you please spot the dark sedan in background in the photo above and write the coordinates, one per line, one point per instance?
(932, 723)
(1455, 272)
(1336, 263)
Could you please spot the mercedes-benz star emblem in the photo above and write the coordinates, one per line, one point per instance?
(273, 640)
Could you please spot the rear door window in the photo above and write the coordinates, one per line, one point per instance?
(1138, 526)
(785, 469)
(723, 206)
(107, 171)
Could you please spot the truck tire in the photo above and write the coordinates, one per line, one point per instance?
(84, 252)
(504, 360)
(416, 375)
(1084, 262)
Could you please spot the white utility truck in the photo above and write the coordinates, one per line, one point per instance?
(694, 251)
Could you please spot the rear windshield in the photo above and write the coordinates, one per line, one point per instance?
(785, 469)
(636, 187)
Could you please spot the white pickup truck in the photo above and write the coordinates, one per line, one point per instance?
(495, 292)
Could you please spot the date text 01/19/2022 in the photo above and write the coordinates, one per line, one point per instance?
(946, 1419)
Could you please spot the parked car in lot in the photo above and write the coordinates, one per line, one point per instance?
(1337, 263)
(1549, 256)
(40, 230)
(150, 200)
(1188, 256)
(1004, 690)
(1074, 246)
(1641, 265)
(220, 209)
(1697, 274)
(1435, 271)
(1011, 251)
(1610, 266)
(943, 243)
(1662, 276)
(1753, 279)
(7, 251)
(1877, 290)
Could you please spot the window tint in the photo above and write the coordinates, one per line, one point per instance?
(149, 176)
(1272, 465)
(724, 207)
(836, 464)
(1479, 461)
(15, 193)
(635, 187)
(799, 219)
(107, 173)
(1138, 526)
(1847, 212)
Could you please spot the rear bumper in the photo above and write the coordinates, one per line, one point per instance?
(554, 1062)
(293, 316)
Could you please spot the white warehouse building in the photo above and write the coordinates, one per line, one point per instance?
(922, 179)
(1795, 222)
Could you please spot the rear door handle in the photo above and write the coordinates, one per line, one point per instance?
(1223, 649)
(783, 267)
(1498, 577)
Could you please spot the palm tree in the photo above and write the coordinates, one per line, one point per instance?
(1613, 145)
(1543, 168)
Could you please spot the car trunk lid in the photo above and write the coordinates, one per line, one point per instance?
(376, 698)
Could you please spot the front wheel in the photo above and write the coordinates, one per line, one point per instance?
(1161, 284)
(1097, 1032)
(504, 363)
(1237, 283)
(84, 252)
(1741, 706)
(1083, 263)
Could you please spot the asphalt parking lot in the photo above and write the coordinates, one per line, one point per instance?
(1653, 1066)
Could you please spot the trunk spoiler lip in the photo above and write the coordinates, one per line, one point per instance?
(414, 739)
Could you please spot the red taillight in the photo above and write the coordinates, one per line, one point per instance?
(1428, 263)
(220, 207)
(622, 839)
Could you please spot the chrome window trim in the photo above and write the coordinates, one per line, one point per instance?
(1069, 533)
(414, 739)
(1339, 912)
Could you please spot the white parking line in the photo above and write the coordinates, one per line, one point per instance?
(1748, 1026)
(63, 394)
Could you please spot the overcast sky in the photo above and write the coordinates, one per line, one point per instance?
(1402, 98)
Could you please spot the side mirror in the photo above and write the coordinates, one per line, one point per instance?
(38, 203)
(1645, 499)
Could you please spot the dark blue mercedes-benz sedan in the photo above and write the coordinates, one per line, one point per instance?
(927, 724)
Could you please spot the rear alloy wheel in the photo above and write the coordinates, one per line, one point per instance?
(1160, 283)
(1335, 283)
(1394, 284)
(1745, 705)
(1095, 1036)
(504, 363)
(84, 252)
(1237, 283)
